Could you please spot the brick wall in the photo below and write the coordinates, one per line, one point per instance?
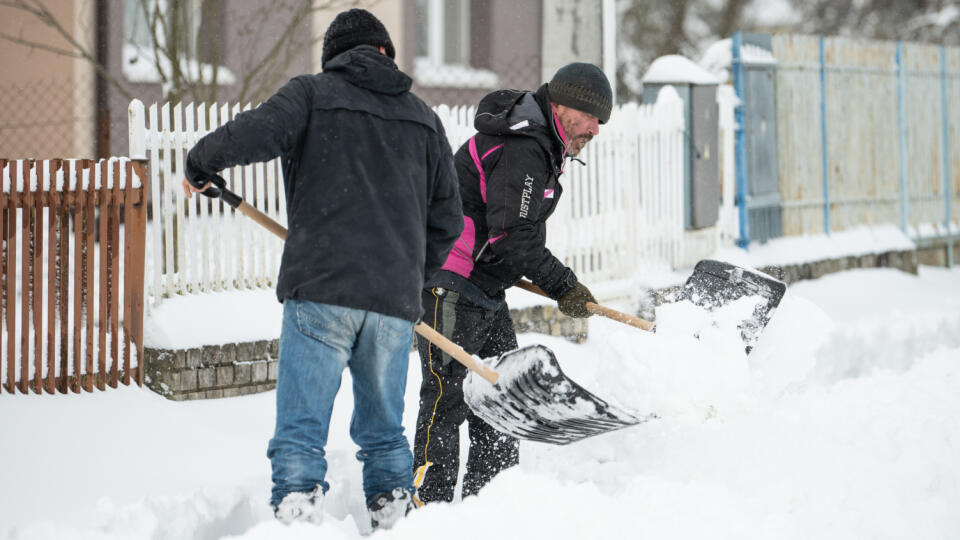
(212, 371)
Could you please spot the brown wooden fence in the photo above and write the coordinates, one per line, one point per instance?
(73, 234)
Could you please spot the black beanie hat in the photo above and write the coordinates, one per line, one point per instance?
(355, 27)
(583, 87)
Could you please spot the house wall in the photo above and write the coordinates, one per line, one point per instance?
(46, 98)
(504, 39)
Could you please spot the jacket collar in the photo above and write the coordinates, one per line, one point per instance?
(366, 67)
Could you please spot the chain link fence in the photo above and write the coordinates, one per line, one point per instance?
(50, 118)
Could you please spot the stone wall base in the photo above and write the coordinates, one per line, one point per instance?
(237, 369)
(906, 261)
(212, 371)
(933, 252)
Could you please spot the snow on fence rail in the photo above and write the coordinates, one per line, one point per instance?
(72, 255)
(622, 209)
(200, 244)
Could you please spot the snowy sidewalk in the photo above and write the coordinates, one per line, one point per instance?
(842, 424)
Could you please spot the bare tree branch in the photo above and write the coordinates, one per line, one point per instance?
(182, 71)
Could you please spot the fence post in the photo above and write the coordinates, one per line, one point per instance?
(824, 147)
(741, 199)
(136, 239)
(136, 124)
(945, 152)
(902, 127)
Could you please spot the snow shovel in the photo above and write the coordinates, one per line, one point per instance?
(712, 285)
(715, 284)
(528, 396)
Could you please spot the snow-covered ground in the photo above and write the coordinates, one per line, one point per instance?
(843, 423)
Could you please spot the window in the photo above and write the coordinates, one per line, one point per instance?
(443, 46)
(147, 23)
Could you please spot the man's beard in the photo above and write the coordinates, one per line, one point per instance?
(577, 143)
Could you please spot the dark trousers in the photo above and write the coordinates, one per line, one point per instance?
(484, 331)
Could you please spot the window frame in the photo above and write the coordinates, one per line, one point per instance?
(434, 69)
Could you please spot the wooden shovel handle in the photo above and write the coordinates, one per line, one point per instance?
(597, 309)
(263, 219)
(456, 352)
(620, 316)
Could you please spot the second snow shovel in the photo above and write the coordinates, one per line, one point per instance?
(715, 284)
(528, 396)
(712, 285)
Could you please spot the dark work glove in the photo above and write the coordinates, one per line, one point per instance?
(198, 179)
(573, 303)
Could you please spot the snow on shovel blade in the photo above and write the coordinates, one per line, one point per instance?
(535, 401)
(714, 284)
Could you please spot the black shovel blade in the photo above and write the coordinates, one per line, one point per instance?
(714, 284)
(533, 400)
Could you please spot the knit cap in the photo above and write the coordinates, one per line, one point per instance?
(355, 27)
(583, 87)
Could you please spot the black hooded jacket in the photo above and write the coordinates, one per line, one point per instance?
(371, 190)
(509, 185)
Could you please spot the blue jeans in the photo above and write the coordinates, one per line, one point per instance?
(316, 342)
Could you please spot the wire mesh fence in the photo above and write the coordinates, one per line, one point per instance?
(49, 118)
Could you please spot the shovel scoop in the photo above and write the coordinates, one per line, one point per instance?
(533, 400)
(715, 284)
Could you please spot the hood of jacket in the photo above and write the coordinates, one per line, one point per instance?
(521, 113)
(366, 67)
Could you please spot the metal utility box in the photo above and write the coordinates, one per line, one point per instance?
(698, 90)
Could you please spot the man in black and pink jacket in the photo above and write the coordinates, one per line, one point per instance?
(509, 185)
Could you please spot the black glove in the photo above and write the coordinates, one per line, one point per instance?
(573, 303)
(198, 179)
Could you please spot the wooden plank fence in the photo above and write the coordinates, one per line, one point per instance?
(879, 147)
(72, 274)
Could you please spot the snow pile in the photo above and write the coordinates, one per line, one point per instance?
(195, 320)
(717, 59)
(675, 68)
(799, 249)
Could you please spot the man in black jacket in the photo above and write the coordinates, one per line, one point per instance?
(509, 185)
(373, 209)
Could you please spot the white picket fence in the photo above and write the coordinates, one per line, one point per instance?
(621, 213)
(200, 244)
